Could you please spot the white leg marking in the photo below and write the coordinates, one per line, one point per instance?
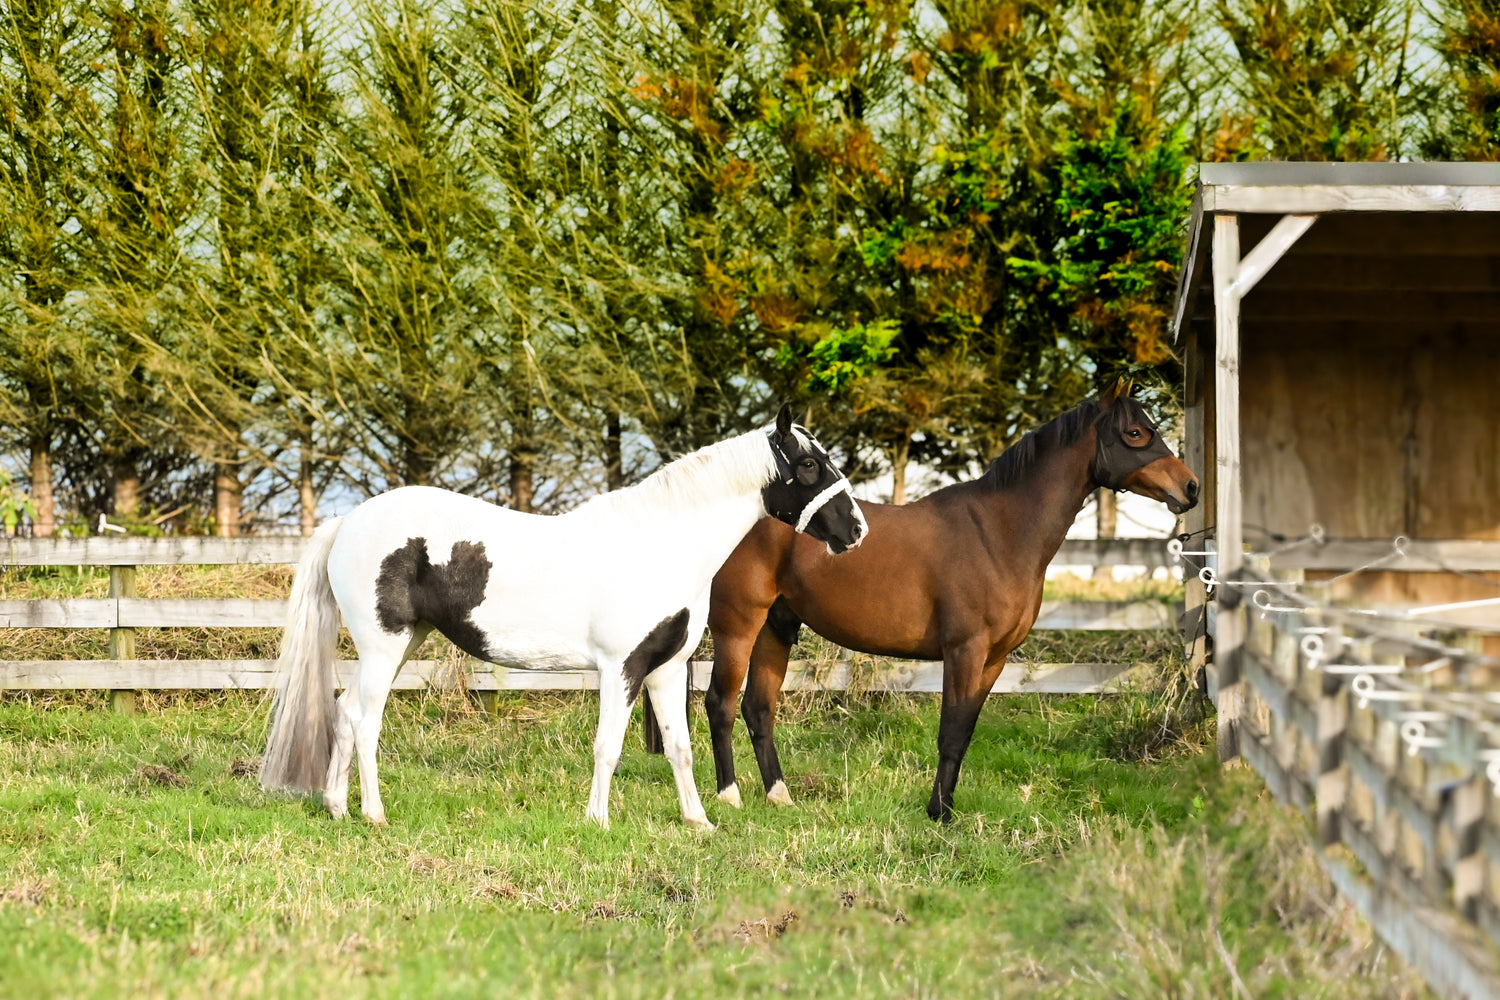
(668, 687)
(614, 716)
(778, 795)
(732, 795)
(336, 790)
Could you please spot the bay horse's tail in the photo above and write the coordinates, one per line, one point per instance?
(300, 744)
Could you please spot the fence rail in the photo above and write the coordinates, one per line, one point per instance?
(123, 613)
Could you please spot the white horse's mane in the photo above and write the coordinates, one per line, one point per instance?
(735, 466)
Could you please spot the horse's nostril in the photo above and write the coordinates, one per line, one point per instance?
(1192, 489)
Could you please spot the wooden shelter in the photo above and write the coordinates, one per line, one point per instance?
(1344, 371)
(1340, 328)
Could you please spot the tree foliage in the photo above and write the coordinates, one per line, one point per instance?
(270, 254)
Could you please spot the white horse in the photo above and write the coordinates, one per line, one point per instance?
(620, 584)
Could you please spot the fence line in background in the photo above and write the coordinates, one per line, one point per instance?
(123, 612)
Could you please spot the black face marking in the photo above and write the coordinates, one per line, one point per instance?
(835, 521)
(410, 589)
(803, 470)
(660, 645)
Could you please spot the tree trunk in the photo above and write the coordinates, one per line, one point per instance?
(522, 473)
(228, 493)
(307, 503)
(45, 521)
(1108, 518)
(900, 455)
(126, 492)
(614, 461)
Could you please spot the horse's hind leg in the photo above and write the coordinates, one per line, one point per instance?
(667, 685)
(614, 716)
(361, 709)
(731, 660)
(768, 666)
(336, 788)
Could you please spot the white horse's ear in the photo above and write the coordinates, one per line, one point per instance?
(784, 420)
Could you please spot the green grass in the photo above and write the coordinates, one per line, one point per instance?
(1098, 851)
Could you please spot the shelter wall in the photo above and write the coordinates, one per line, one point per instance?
(1372, 433)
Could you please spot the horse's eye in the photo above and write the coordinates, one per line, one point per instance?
(808, 463)
(1133, 433)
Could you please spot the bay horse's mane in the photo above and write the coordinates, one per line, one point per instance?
(1016, 461)
(736, 465)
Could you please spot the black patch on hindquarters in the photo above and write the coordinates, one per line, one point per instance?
(410, 589)
(660, 645)
(783, 622)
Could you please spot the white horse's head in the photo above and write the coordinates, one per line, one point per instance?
(809, 492)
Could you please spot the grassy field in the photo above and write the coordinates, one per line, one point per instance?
(1098, 850)
(1093, 856)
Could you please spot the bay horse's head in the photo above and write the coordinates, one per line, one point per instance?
(1132, 456)
(809, 492)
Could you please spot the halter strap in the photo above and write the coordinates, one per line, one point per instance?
(816, 503)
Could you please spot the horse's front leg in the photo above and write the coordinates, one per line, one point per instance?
(667, 685)
(969, 671)
(614, 716)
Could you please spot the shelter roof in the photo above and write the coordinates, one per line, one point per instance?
(1396, 247)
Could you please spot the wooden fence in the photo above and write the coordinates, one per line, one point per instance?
(1386, 728)
(123, 612)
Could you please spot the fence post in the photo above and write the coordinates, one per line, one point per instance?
(122, 640)
(1333, 718)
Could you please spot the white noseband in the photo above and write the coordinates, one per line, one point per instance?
(816, 503)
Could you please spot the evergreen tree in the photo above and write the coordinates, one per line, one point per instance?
(41, 67)
(1319, 79)
(1463, 109)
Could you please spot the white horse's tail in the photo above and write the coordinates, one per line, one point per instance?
(302, 715)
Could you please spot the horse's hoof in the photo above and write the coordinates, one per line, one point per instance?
(731, 795)
(778, 795)
(337, 811)
(699, 825)
(603, 821)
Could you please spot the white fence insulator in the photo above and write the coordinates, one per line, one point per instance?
(1398, 551)
(1366, 691)
(1414, 735)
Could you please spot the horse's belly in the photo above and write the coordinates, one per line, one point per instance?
(536, 651)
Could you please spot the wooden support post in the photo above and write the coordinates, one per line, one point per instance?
(1230, 620)
(1233, 279)
(1195, 452)
(122, 640)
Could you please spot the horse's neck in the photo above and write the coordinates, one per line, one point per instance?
(1055, 489)
(689, 542)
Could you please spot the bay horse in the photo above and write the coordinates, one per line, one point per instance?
(619, 584)
(956, 576)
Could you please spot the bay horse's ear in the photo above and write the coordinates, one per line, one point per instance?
(1119, 390)
(784, 420)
